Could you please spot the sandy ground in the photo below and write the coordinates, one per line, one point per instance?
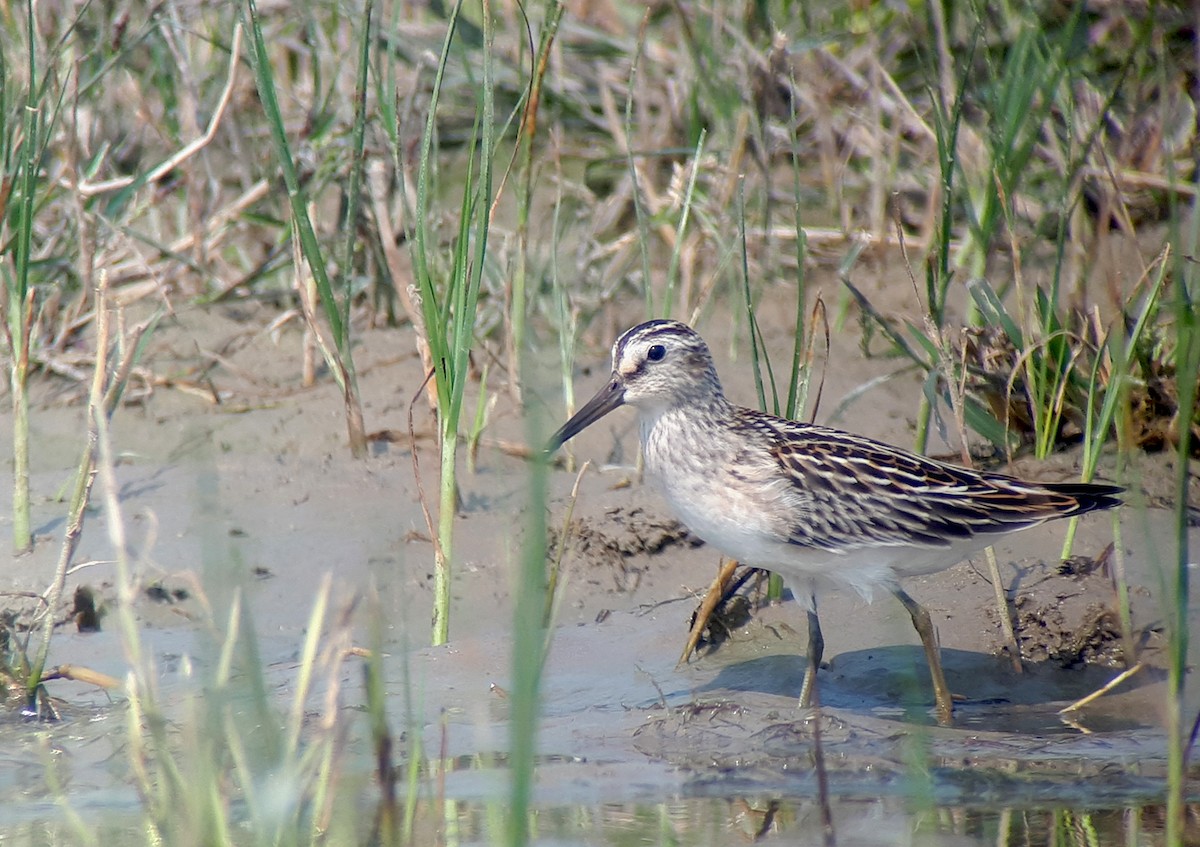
(259, 491)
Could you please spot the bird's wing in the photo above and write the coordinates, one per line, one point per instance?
(847, 492)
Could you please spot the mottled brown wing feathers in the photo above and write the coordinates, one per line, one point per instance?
(858, 492)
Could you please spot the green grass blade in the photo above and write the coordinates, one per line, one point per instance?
(681, 228)
(342, 364)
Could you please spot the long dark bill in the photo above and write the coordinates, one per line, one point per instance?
(610, 397)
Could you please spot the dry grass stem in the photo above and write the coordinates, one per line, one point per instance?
(91, 189)
(78, 673)
(1102, 690)
(400, 272)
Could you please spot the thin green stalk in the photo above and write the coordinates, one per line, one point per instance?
(518, 307)
(19, 310)
(937, 269)
(1022, 94)
(681, 227)
(529, 651)
(798, 379)
(341, 364)
(1098, 425)
(797, 399)
(435, 330)
(564, 315)
(444, 558)
(449, 311)
(357, 144)
(1187, 372)
(20, 313)
(946, 127)
(639, 208)
(748, 296)
(924, 419)
(388, 820)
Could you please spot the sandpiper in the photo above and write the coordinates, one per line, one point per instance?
(818, 505)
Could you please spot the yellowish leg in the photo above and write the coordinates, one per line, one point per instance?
(711, 600)
(816, 649)
(924, 626)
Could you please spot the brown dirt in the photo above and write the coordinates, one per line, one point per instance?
(619, 543)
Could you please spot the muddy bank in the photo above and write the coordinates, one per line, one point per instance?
(258, 491)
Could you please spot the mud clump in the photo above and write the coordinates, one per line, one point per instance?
(1057, 628)
(614, 541)
(1047, 635)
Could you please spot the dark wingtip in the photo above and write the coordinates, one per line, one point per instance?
(1090, 496)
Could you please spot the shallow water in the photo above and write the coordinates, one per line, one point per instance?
(634, 752)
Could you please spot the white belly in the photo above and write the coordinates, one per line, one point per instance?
(743, 519)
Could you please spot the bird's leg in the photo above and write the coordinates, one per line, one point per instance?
(716, 594)
(924, 627)
(816, 648)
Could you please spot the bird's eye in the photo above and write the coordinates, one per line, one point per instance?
(656, 352)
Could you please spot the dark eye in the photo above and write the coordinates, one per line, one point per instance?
(656, 352)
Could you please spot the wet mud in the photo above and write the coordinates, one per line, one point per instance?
(258, 493)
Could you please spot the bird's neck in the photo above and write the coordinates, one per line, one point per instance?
(691, 417)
